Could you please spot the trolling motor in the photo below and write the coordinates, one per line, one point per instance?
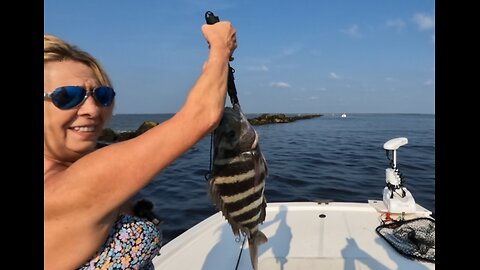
(396, 197)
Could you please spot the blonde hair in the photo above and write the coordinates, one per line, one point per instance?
(56, 49)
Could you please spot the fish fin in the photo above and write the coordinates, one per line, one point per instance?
(264, 164)
(259, 167)
(263, 213)
(260, 164)
(253, 243)
(213, 193)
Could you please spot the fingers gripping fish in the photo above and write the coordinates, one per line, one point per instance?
(237, 179)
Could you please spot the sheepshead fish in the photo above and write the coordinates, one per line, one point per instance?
(237, 180)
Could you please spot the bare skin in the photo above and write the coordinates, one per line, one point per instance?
(85, 189)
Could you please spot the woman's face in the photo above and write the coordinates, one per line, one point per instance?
(72, 133)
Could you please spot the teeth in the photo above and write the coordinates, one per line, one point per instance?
(84, 129)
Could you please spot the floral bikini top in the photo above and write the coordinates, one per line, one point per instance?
(131, 244)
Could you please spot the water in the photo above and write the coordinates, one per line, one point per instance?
(329, 157)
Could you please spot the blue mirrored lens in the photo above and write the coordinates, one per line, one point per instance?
(67, 97)
(104, 95)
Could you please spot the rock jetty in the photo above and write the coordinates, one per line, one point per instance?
(110, 136)
(279, 118)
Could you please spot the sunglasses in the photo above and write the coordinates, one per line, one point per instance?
(68, 97)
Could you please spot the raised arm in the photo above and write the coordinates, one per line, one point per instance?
(106, 178)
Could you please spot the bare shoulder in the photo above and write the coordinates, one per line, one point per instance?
(69, 241)
(72, 233)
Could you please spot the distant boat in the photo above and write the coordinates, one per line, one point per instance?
(344, 115)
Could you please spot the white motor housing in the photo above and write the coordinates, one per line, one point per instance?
(395, 143)
(399, 204)
(396, 197)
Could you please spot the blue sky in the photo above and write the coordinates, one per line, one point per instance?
(294, 56)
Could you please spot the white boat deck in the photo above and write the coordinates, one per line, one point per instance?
(301, 235)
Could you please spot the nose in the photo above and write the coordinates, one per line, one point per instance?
(89, 106)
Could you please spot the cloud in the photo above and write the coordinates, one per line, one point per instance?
(291, 49)
(258, 68)
(353, 31)
(399, 24)
(280, 85)
(334, 76)
(388, 79)
(424, 22)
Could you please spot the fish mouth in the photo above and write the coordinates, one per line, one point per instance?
(234, 131)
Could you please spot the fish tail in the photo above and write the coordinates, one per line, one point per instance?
(257, 239)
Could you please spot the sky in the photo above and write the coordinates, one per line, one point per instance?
(293, 56)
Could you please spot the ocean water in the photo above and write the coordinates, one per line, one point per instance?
(341, 159)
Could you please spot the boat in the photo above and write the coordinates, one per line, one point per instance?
(344, 115)
(313, 235)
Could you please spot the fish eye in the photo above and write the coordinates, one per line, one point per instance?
(231, 134)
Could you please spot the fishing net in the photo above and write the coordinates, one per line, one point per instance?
(414, 238)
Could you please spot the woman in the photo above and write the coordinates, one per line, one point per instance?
(87, 223)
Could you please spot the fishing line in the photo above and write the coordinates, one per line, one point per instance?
(207, 174)
(240, 254)
(210, 18)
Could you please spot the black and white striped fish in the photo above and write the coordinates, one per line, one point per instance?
(237, 180)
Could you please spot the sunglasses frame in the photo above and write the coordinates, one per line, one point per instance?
(51, 96)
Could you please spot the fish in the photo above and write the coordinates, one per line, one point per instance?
(237, 178)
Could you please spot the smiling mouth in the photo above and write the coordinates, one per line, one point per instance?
(84, 128)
